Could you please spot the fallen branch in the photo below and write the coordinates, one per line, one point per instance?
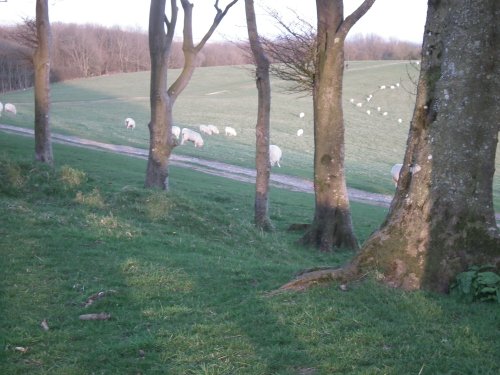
(96, 296)
(100, 316)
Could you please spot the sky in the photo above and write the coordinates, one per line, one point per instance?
(391, 19)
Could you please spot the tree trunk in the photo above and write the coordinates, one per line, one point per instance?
(262, 165)
(160, 130)
(332, 223)
(162, 100)
(41, 62)
(441, 220)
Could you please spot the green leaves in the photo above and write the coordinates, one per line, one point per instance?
(479, 284)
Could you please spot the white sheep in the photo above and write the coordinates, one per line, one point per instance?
(230, 131)
(205, 129)
(359, 104)
(395, 170)
(191, 136)
(214, 129)
(302, 114)
(300, 132)
(176, 131)
(129, 123)
(274, 155)
(11, 108)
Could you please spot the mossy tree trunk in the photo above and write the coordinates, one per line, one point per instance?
(332, 223)
(442, 220)
(41, 62)
(162, 100)
(263, 82)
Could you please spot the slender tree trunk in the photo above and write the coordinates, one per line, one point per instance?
(441, 220)
(41, 62)
(160, 133)
(263, 83)
(332, 223)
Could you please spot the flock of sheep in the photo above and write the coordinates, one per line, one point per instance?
(8, 107)
(369, 97)
(190, 135)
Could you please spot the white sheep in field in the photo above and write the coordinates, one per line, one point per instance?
(11, 108)
(230, 131)
(205, 129)
(176, 131)
(214, 129)
(129, 123)
(191, 136)
(300, 132)
(302, 114)
(275, 155)
(395, 171)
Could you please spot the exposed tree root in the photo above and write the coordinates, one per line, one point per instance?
(317, 276)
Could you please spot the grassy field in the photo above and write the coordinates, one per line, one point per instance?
(186, 279)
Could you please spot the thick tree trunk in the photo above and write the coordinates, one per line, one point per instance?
(441, 220)
(332, 224)
(262, 165)
(41, 62)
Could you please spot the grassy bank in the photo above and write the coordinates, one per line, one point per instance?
(186, 278)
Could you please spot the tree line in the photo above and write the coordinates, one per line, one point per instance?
(80, 51)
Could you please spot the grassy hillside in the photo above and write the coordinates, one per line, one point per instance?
(185, 277)
(95, 108)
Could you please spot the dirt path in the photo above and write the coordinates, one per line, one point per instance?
(211, 167)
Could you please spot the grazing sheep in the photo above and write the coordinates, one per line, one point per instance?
(300, 132)
(351, 100)
(205, 129)
(230, 131)
(274, 155)
(191, 136)
(176, 131)
(302, 114)
(382, 87)
(214, 129)
(359, 104)
(395, 170)
(385, 114)
(11, 108)
(400, 121)
(129, 123)
(368, 112)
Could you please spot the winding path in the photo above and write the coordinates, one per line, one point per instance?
(211, 167)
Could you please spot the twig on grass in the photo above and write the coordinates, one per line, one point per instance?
(100, 316)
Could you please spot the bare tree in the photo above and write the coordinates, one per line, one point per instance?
(162, 99)
(41, 62)
(442, 220)
(262, 80)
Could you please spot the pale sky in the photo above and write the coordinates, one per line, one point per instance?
(399, 19)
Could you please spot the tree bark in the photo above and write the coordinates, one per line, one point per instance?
(441, 220)
(332, 223)
(160, 126)
(161, 142)
(41, 62)
(262, 164)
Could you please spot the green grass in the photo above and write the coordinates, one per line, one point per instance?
(95, 108)
(188, 278)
